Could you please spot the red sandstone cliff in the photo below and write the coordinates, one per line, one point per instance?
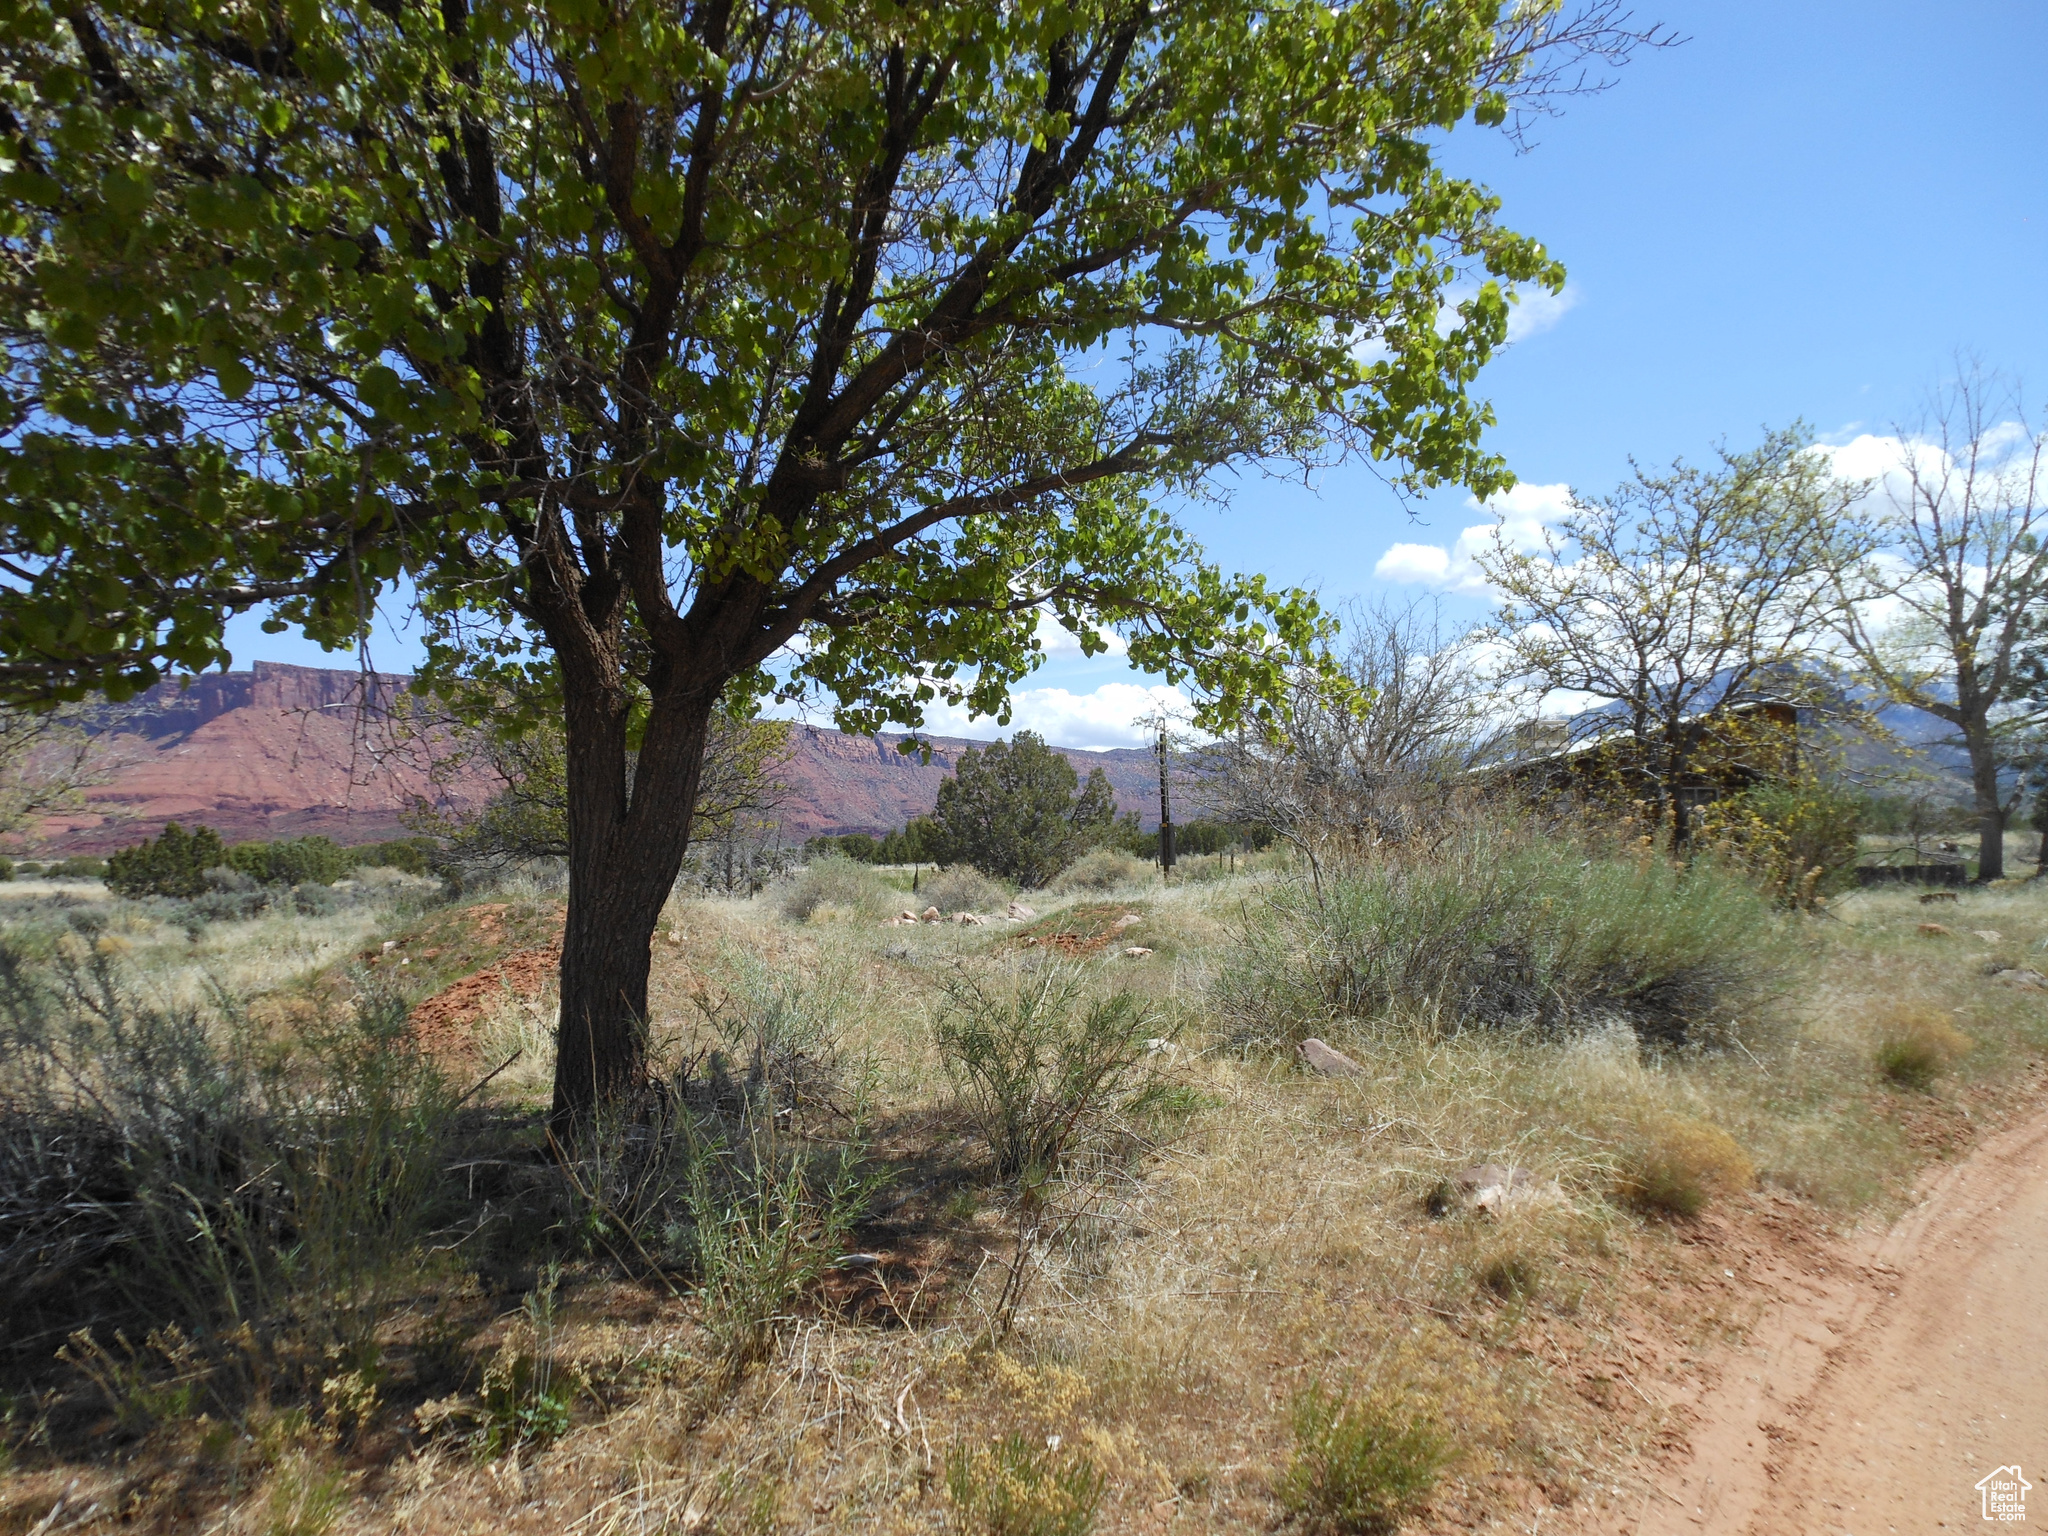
(283, 751)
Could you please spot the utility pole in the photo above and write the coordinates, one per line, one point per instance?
(1165, 813)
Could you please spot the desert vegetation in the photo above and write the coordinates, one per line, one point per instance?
(1040, 1225)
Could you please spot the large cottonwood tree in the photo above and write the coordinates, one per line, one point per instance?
(678, 349)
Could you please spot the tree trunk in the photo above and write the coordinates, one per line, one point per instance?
(626, 846)
(1990, 807)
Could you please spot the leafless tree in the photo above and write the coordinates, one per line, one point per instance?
(1376, 759)
(48, 759)
(1939, 586)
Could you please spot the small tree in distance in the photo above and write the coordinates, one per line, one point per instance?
(1011, 810)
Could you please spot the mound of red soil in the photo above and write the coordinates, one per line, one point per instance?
(445, 1022)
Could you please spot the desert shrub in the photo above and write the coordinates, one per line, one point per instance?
(1040, 1066)
(1021, 1487)
(1362, 1464)
(291, 861)
(1675, 1166)
(745, 1177)
(1797, 839)
(161, 1169)
(1491, 930)
(1102, 869)
(173, 863)
(1916, 1048)
(833, 881)
(409, 855)
(79, 867)
(962, 888)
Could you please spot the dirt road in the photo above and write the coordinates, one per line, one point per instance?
(1877, 1393)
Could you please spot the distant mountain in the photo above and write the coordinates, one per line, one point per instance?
(277, 751)
(284, 751)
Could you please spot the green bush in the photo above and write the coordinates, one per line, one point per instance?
(1363, 1464)
(962, 888)
(834, 881)
(80, 867)
(409, 855)
(1021, 1487)
(1799, 840)
(292, 861)
(174, 863)
(1039, 1066)
(1102, 869)
(1492, 930)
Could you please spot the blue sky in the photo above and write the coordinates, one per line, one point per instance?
(1805, 210)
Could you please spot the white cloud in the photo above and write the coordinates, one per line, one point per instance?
(1427, 565)
(1105, 717)
(1531, 311)
(1537, 310)
(1521, 515)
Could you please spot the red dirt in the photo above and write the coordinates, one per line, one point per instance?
(444, 1021)
(1884, 1377)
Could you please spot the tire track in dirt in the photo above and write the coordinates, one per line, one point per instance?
(1882, 1387)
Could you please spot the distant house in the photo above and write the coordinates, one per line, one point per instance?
(1722, 751)
(2005, 1494)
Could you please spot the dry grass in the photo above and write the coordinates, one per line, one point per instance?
(1258, 1241)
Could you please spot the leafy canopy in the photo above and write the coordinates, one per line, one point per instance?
(682, 339)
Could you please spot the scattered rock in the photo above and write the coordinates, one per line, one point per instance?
(1929, 898)
(2026, 978)
(1328, 1060)
(1124, 922)
(1487, 1187)
(1030, 939)
(932, 915)
(1136, 952)
(1159, 1045)
(1989, 935)
(906, 916)
(1936, 931)
(897, 952)
(1491, 1185)
(1020, 913)
(390, 945)
(970, 919)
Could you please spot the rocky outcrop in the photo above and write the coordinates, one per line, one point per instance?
(284, 751)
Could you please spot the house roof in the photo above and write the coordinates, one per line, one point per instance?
(1603, 738)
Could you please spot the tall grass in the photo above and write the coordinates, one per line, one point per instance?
(246, 1202)
(1491, 929)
